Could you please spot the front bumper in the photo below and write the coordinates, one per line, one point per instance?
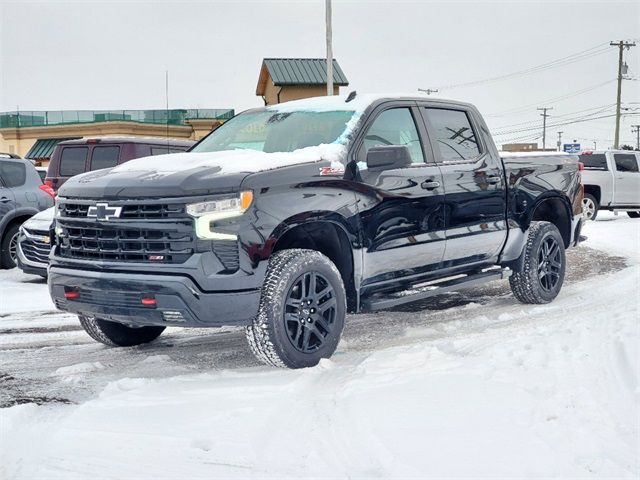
(178, 300)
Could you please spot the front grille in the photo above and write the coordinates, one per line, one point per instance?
(34, 248)
(227, 253)
(171, 244)
(144, 231)
(135, 211)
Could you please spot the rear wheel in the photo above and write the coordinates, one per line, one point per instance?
(116, 334)
(302, 310)
(590, 207)
(634, 214)
(541, 273)
(9, 247)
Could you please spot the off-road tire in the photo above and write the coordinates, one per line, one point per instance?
(267, 335)
(596, 205)
(525, 282)
(634, 214)
(116, 334)
(5, 256)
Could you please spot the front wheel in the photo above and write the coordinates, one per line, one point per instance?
(9, 247)
(116, 334)
(540, 275)
(302, 310)
(634, 214)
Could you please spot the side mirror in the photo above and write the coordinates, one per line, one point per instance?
(388, 157)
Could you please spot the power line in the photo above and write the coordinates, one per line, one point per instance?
(569, 123)
(550, 100)
(533, 127)
(569, 59)
(601, 108)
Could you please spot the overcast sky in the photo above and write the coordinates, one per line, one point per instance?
(109, 54)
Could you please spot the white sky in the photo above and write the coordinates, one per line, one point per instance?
(57, 55)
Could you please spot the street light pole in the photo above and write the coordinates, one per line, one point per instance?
(329, 48)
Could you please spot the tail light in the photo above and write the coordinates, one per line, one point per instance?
(580, 167)
(48, 189)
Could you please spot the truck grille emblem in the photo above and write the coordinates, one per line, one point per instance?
(102, 211)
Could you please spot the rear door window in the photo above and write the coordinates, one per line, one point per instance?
(597, 161)
(626, 162)
(13, 174)
(105, 157)
(454, 136)
(73, 161)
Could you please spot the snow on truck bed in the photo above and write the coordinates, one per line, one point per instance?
(491, 388)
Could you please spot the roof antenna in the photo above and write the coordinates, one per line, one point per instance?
(351, 96)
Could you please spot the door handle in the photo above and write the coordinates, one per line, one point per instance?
(4, 200)
(430, 184)
(492, 179)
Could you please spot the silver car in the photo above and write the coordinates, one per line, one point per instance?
(34, 243)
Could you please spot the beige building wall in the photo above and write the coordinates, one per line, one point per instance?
(274, 94)
(20, 140)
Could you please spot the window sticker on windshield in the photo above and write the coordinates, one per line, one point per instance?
(333, 170)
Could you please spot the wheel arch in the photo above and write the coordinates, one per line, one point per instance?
(554, 207)
(328, 234)
(595, 191)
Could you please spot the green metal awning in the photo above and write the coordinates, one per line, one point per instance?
(43, 148)
(298, 71)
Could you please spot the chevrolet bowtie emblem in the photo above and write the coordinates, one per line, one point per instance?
(102, 211)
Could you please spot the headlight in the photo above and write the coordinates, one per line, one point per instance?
(205, 213)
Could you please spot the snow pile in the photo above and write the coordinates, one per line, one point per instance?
(497, 389)
(233, 161)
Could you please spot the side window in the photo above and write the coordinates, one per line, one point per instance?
(72, 161)
(454, 136)
(13, 174)
(393, 127)
(625, 162)
(105, 157)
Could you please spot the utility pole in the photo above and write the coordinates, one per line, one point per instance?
(428, 91)
(636, 129)
(544, 116)
(595, 145)
(329, 48)
(560, 141)
(621, 46)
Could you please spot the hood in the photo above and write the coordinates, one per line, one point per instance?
(40, 221)
(188, 174)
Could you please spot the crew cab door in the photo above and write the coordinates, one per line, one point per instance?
(627, 179)
(474, 184)
(400, 208)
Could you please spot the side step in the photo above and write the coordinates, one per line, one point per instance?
(431, 289)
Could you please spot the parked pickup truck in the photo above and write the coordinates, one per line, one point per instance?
(287, 217)
(611, 182)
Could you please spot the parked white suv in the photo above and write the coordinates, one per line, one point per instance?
(611, 180)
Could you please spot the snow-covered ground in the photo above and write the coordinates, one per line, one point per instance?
(465, 385)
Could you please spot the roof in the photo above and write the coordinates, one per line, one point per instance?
(43, 148)
(120, 140)
(298, 71)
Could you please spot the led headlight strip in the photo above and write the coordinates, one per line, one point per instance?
(206, 213)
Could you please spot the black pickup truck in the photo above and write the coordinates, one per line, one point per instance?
(288, 216)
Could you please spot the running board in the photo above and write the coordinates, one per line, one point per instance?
(431, 289)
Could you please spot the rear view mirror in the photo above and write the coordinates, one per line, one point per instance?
(388, 157)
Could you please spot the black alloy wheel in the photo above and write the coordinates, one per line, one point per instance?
(549, 264)
(310, 312)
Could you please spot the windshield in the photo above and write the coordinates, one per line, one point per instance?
(273, 131)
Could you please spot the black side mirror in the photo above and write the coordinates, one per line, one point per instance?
(388, 157)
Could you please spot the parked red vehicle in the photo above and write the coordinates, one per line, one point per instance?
(73, 157)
